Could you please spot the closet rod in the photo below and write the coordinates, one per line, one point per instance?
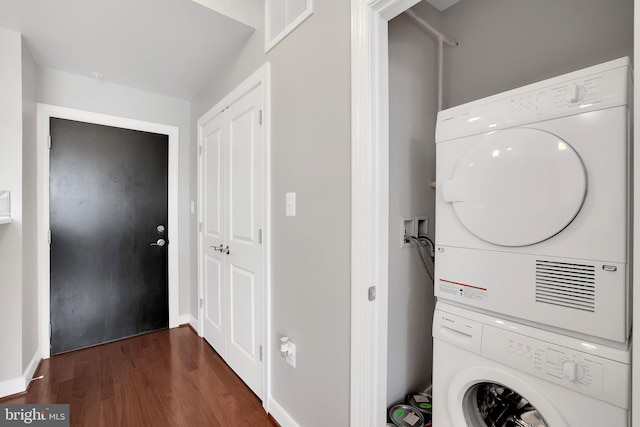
(442, 39)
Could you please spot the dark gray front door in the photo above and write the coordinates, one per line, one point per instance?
(108, 204)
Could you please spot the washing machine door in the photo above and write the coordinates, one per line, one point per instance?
(517, 187)
(488, 397)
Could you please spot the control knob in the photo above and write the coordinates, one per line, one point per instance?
(573, 371)
(575, 93)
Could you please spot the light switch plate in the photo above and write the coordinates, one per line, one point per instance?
(291, 204)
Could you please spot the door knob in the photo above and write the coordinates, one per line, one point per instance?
(215, 248)
(159, 242)
(226, 250)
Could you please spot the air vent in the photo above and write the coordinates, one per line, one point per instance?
(566, 285)
(282, 17)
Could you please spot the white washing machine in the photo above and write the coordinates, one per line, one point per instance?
(490, 372)
(532, 203)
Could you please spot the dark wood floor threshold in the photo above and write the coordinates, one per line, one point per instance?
(164, 378)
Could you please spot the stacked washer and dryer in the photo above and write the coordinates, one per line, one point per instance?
(533, 317)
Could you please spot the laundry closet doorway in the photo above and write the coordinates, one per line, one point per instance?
(233, 229)
(515, 59)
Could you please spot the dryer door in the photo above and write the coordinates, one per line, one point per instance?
(517, 187)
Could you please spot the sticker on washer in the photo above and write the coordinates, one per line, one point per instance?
(463, 290)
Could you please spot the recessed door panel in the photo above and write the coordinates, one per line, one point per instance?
(242, 174)
(213, 170)
(243, 303)
(213, 290)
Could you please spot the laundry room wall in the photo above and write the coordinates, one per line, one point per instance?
(310, 155)
(413, 92)
(508, 44)
(87, 94)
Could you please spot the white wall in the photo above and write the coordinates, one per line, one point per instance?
(11, 234)
(507, 44)
(310, 155)
(29, 212)
(83, 93)
(413, 67)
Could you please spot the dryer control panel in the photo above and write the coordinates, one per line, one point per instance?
(595, 376)
(594, 88)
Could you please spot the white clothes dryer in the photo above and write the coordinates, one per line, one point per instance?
(532, 203)
(491, 372)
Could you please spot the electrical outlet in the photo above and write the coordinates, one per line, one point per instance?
(291, 357)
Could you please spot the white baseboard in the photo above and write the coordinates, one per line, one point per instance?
(31, 369)
(185, 319)
(16, 385)
(280, 415)
(193, 321)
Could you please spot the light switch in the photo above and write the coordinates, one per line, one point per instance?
(291, 204)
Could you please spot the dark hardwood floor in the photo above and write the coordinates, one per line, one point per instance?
(164, 378)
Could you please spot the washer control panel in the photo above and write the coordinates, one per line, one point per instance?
(602, 378)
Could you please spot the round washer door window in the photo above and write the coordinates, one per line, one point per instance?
(517, 187)
(494, 405)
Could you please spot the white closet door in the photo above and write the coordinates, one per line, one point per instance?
(244, 209)
(214, 154)
(232, 222)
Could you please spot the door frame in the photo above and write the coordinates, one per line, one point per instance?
(45, 113)
(370, 206)
(261, 77)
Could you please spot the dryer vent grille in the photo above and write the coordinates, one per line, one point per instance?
(567, 285)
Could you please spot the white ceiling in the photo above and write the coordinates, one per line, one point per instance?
(170, 47)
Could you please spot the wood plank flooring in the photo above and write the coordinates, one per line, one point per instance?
(165, 378)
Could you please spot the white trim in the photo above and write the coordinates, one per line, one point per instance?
(635, 355)
(370, 206)
(280, 415)
(188, 319)
(31, 369)
(14, 386)
(19, 385)
(45, 112)
(262, 76)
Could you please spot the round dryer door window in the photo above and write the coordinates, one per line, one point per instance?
(494, 405)
(517, 187)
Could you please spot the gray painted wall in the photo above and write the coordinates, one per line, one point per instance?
(413, 101)
(29, 213)
(83, 93)
(505, 44)
(11, 235)
(310, 155)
